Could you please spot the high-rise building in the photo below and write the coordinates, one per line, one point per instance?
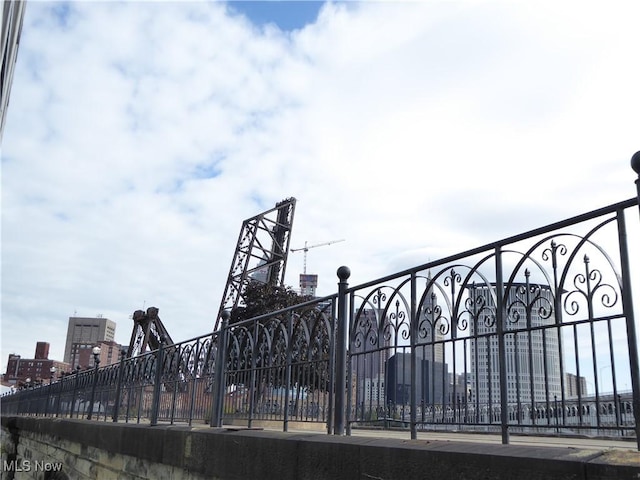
(374, 390)
(12, 16)
(532, 355)
(460, 388)
(308, 284)
(432, 380)
(574, 386)
(378, 357)
(83, 334)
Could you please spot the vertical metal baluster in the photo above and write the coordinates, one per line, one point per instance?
(341, 350)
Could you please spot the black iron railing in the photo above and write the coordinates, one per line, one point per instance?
(531, 334)
(534, 333)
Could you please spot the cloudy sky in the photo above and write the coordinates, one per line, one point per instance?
(141, 134)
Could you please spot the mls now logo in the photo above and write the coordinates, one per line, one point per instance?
(28, 466)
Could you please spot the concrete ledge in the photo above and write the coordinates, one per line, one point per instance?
(241, 454)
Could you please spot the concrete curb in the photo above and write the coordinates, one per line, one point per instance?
(241, 454)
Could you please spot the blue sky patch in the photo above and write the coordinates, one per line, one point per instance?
(287, 15)
(62, 13)
(211, 170)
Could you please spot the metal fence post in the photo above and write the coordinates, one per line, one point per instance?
(75, 392)
(627, 300)
(56, 405)
(36, 394)
(155, 403)
(287, 380)
(252, 375)
(46, 405)
(96, 361)
(332, 368)
(502, 359)
(116, 407)
(218, 390)
(196, 377)
(413, 326)
(29, 394)
(341, 350)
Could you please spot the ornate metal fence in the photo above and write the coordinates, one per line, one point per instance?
(278, 367)
(531, 334)
(534, 333)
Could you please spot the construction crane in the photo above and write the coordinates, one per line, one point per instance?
(306, 248)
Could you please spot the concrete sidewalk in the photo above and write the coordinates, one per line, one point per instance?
(488, 438)
(528, 440)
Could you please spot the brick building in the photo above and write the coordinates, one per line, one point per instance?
(33, 371)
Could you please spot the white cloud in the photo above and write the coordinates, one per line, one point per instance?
(140, 136)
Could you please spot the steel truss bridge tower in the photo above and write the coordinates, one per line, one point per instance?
(261, 253)
(148, 331)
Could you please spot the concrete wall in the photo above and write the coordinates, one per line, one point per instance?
(96, 450)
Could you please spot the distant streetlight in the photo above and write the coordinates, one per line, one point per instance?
(96, 363)
(96, 355)
(116, 409)
(52, 371)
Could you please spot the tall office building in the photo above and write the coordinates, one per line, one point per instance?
(12, 16)
(83, 334)
(432, 380)
(532, 356)
(575, 386)
(384, 374)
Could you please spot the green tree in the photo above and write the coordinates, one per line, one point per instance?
(262, 298)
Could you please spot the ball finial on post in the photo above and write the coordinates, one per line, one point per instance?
(344, 273)
(635, 162)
